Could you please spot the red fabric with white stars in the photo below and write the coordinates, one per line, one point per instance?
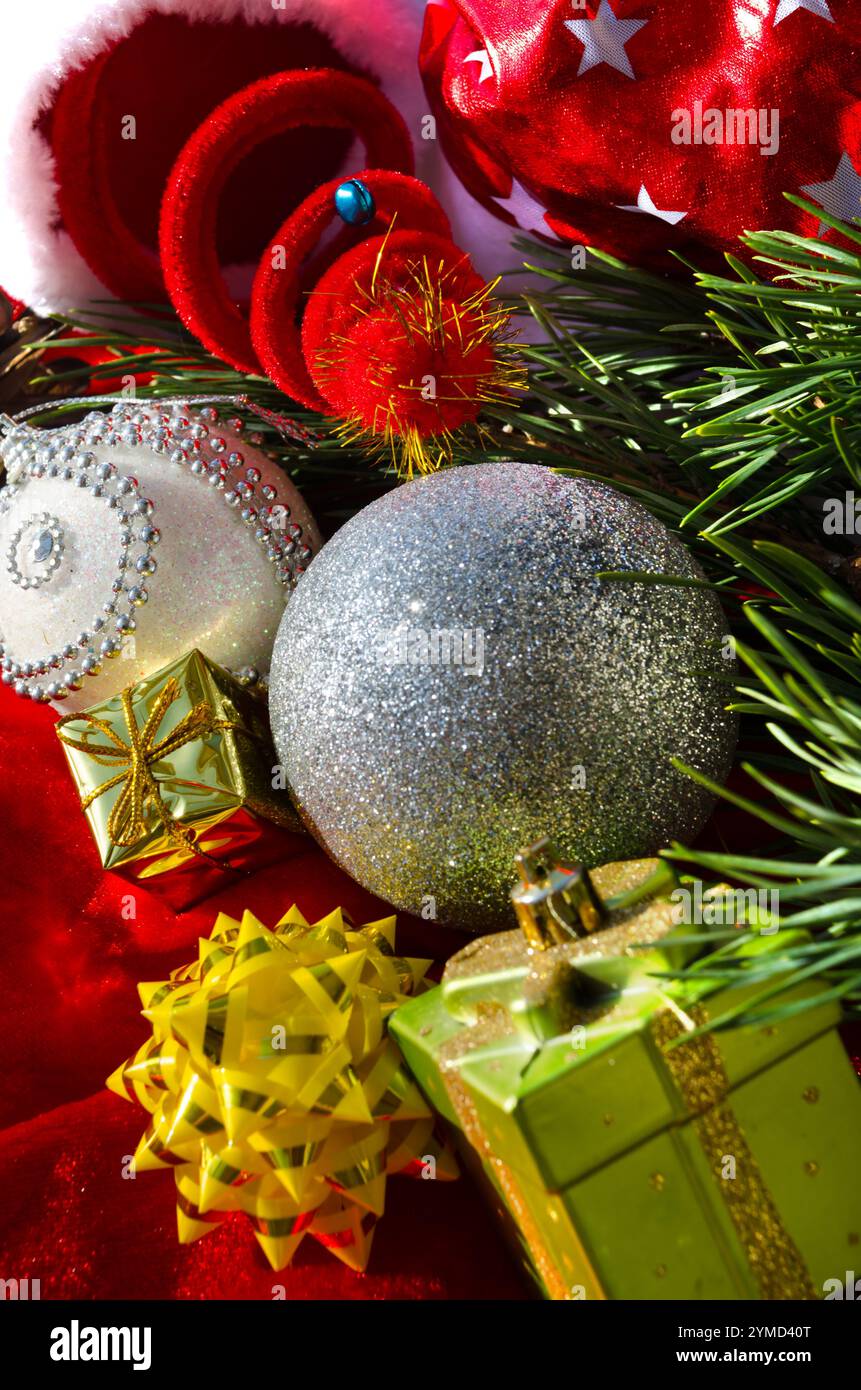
(524, 109)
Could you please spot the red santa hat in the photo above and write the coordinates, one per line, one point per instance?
(111, 89)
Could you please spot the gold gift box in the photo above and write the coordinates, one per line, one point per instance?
(175, 776)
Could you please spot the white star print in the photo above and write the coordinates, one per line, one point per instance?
(527, 212)
(604, 38)
(817, 7)
(482, 56)
(839, 195)
(645, 203)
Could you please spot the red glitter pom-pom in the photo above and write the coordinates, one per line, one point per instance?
(406, 343)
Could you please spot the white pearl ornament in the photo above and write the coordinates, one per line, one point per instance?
(131, 537)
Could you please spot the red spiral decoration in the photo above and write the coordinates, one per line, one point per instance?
(323, 97)
(400, 337)
(275, 329)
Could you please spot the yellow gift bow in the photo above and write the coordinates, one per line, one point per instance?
(274, 1087)
(126, 822)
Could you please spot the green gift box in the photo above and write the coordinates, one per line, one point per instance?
(631, 1153)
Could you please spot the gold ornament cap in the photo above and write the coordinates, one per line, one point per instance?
(554, 902)
(586, 940)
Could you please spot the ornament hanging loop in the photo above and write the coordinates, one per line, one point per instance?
(286, 426)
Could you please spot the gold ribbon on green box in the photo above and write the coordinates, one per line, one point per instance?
(631, 1150)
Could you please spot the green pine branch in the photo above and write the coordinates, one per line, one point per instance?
(745, 385)
(727, 403)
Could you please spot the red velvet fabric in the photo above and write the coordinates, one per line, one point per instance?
(15, 305)
(71, 962)
(170, 74)
(70, 966)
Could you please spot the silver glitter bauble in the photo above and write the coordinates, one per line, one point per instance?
(452, 680)
(134, 536)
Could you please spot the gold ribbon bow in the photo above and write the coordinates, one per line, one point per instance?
(140, 788)
(274, 1088)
